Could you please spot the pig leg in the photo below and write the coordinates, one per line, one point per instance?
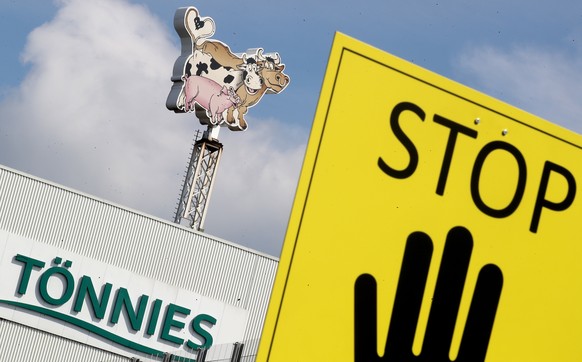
(213, 109)
(191, 91)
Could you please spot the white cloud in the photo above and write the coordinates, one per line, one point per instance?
(255, 184)
(543, 82)
(90, 114)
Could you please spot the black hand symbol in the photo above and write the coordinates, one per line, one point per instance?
(444, 308)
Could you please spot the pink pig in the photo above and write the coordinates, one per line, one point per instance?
(210, 95)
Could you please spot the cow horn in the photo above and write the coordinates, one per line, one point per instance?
(277, 59)
(260, 56)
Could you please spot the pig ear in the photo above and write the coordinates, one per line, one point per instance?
(224, 90)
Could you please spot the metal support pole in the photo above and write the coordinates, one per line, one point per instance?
(201, 356)
(237, 352)
(199, 180)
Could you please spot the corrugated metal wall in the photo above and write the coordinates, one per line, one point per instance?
(145, 245)
(22, 343)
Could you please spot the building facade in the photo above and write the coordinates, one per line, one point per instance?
(87, 280)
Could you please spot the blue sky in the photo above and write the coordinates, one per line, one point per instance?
(83, 87)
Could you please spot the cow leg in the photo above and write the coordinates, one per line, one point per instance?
(181, 103)
(230, 115)
(242, 124)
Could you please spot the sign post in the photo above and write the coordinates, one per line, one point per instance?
(219, 86)
(449, 231)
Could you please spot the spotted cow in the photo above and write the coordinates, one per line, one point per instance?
(250, 75)
(273, 80)
(238, 79)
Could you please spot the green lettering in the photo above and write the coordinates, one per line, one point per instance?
(204, 334)
(122, 300)
(29, 263)
(156, 306)
(170, 322)
(97, 305)
(68, 285)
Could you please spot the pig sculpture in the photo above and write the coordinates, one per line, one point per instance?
(210, 95)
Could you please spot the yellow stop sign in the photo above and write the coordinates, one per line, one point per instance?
(431, 222)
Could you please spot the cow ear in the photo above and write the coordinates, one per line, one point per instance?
(281, 67)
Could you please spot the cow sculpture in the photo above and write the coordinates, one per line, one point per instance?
(272, 78)
(232, 83)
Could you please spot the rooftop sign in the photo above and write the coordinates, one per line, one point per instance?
(104, 306)
(448, 231)
(221, 83)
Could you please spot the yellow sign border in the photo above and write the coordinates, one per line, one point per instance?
(343, 43)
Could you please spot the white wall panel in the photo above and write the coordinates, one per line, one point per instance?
(21, 343)
(151, 247)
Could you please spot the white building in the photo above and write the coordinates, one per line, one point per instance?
(86, 280)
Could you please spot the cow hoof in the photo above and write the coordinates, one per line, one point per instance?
(242, 124)
(236, 127)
